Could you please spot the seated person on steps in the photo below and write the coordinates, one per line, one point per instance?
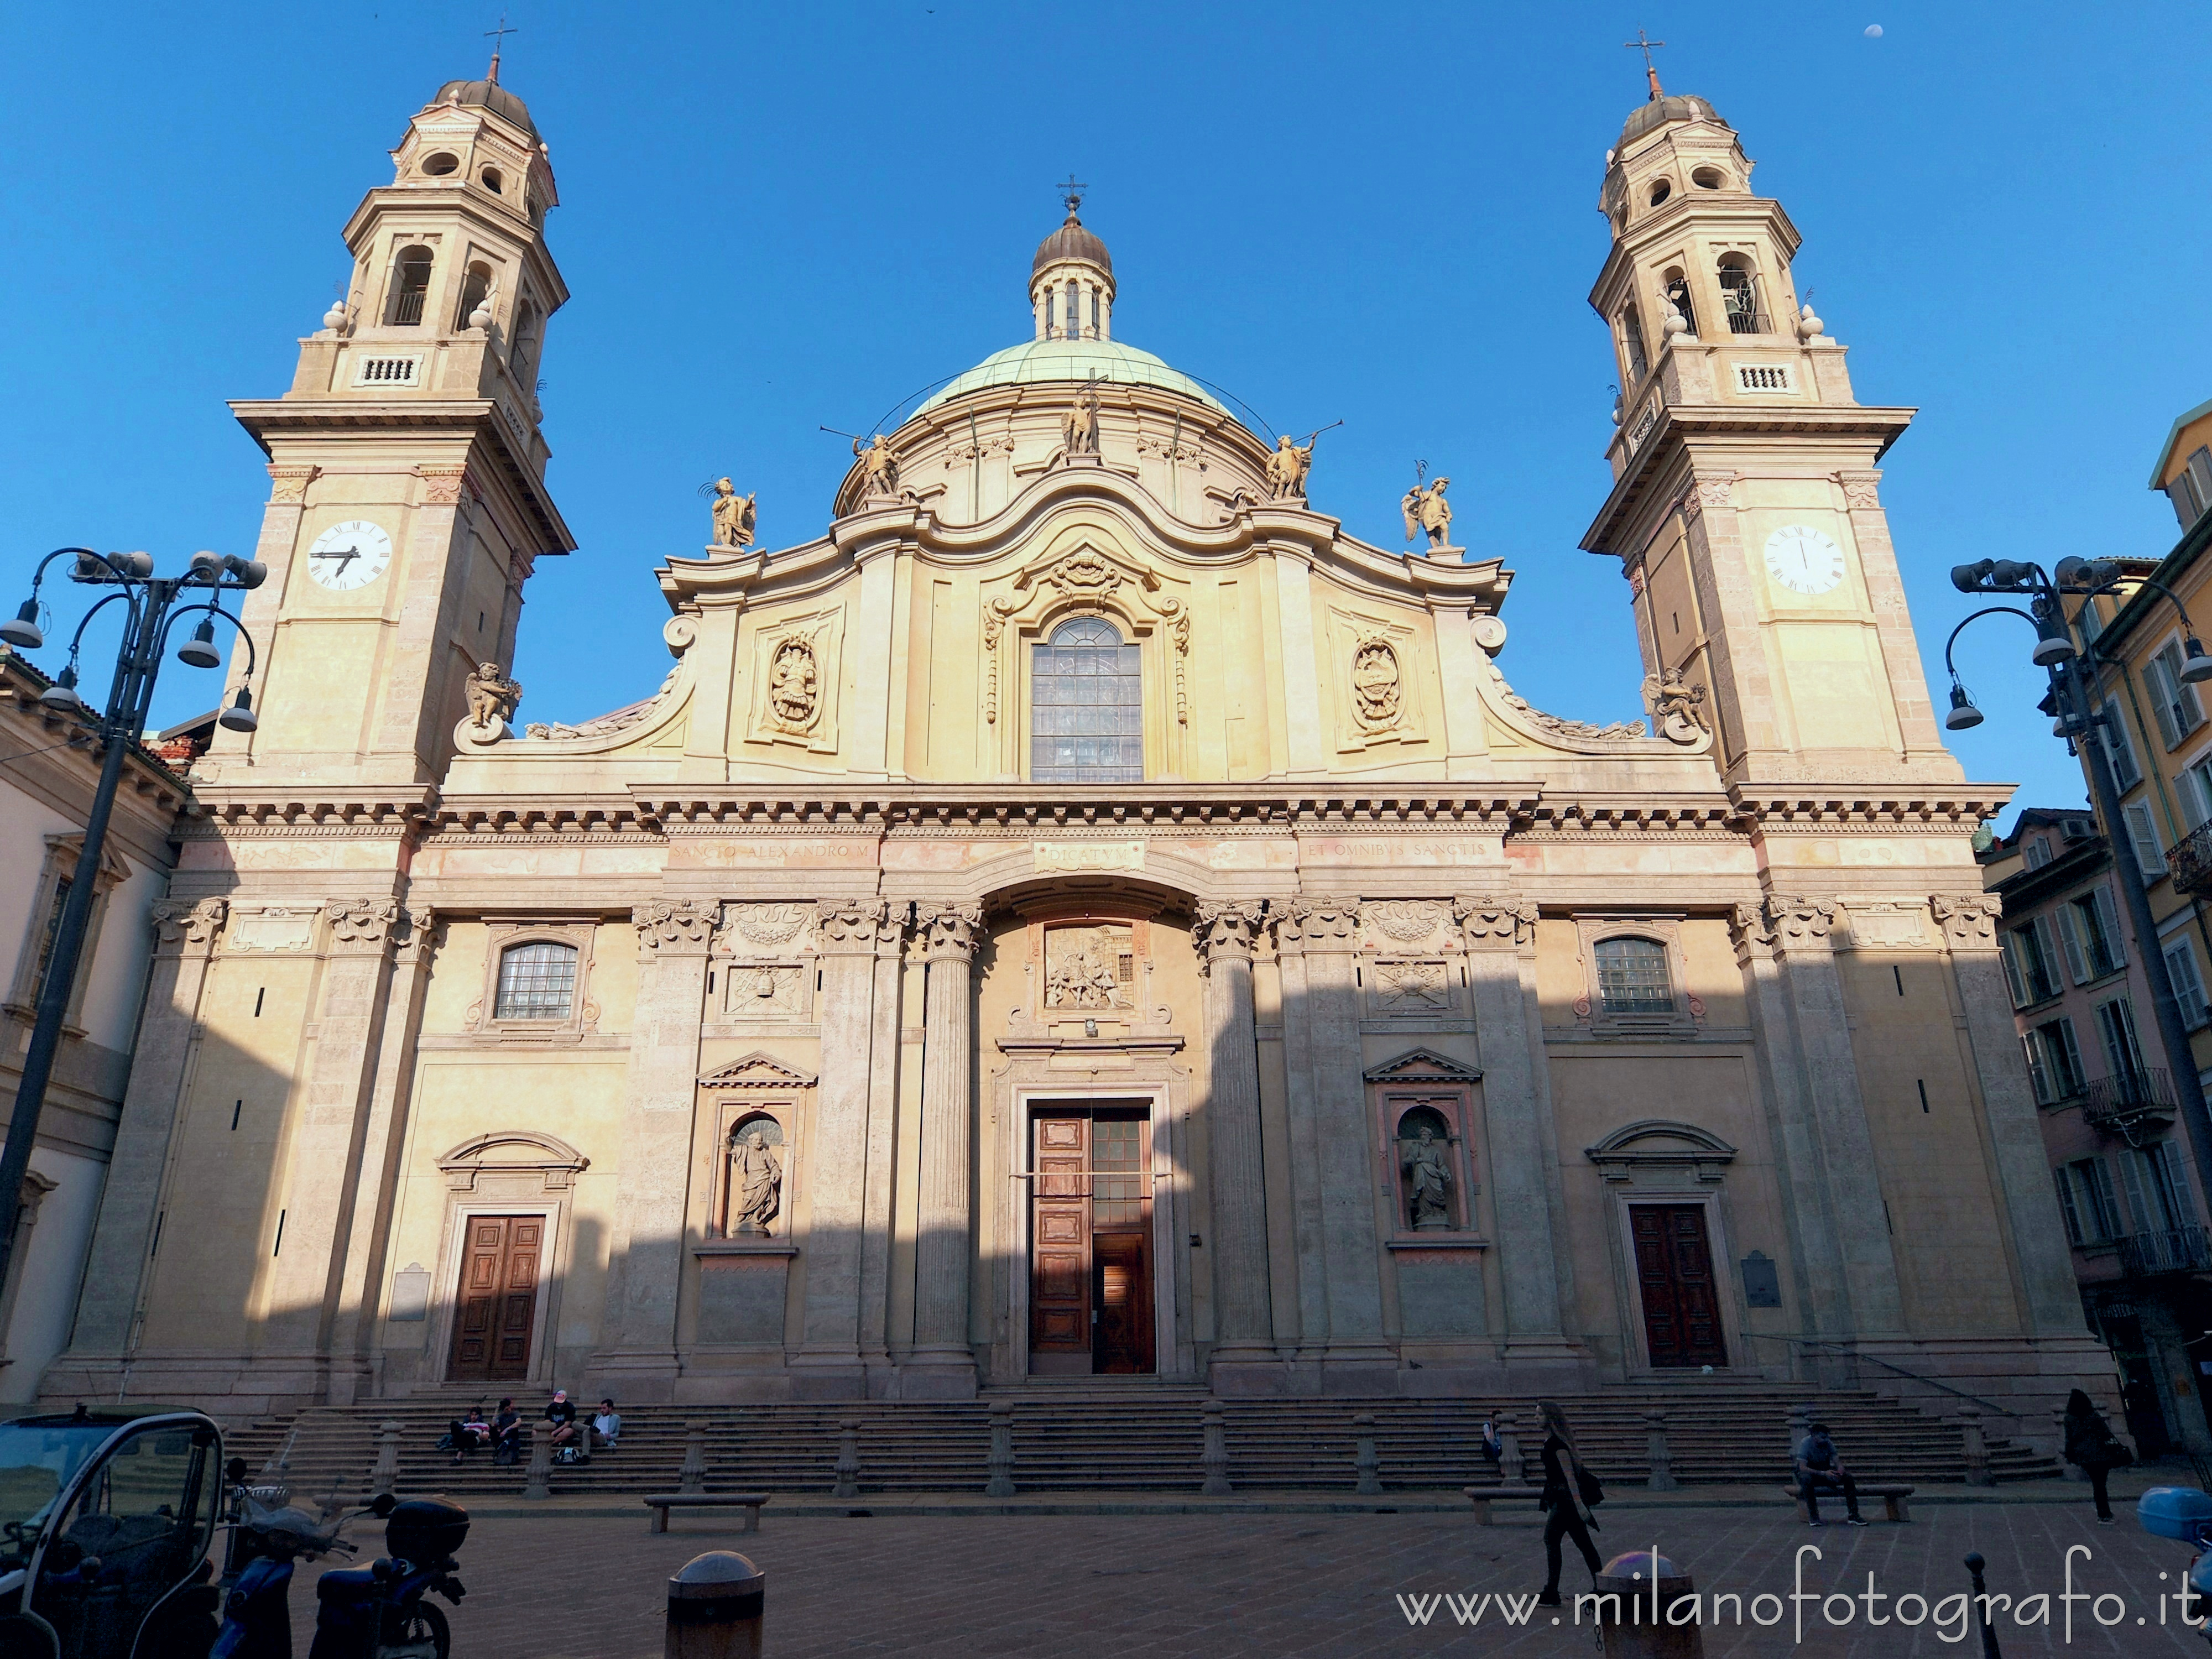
(468, 1432)
(607, 1424)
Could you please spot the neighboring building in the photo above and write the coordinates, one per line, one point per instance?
(2122, 1164)
(46, 786)
(1085, 912)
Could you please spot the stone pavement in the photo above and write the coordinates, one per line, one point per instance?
(569, 1586)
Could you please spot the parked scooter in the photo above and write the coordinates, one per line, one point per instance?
(376, 1611)
(2184, 1515)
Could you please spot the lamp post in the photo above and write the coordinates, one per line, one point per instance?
(2082, 724)
(151, 609)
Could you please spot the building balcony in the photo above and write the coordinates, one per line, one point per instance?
(2189, 862)
(2182, 1250)
(2137, 1106)
(1748, 322)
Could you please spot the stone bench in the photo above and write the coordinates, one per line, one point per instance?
(1483, 1497)
(1894, 1504)
(748, 1502)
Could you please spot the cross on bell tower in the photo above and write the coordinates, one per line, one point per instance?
(1644, 44)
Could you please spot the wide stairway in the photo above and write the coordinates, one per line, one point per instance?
(1087, 1437)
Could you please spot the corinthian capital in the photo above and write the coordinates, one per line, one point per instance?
(677, 927)
(857, 924)
(363, 924)
(182, 925)
(1316, 924)
(1969, 919)
(1223, 931)
(1487, 919)
(951, 932)
(1799, 922)
(1752, 933)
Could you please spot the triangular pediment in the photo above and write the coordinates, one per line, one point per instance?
(1423, 1065)
(758, 1071)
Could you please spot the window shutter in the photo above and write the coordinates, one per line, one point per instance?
(2047, 945)
(2123, 1021)
(2161, 699)
(2120, 747)
(2073, 1079)
(2098, 1181)
(2188, 983)
(2173, 1181)
(2070, 932)
(2139, 1206)
(2061, 1178)
(2143, 835)
(2200, 473)
(2108, 919)
(2012, 970)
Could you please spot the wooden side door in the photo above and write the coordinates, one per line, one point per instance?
(1122, 1288)
(1674, 1273)
(497, 1302)
(1060, 1250)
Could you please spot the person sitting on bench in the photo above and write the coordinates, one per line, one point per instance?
(1820, 1468)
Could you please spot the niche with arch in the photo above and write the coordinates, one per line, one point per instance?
(1740, 296)
(493, 181)
(1709, 178)
(411, 286)
(1423, 1104)
(475, 286)
(755, 1142)
(1661, 190)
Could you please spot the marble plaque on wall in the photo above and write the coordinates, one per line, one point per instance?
(741, 1299)
(1440, 1294)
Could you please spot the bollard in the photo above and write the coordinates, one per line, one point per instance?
(693, 1475)
(1977, 1447)
(1635, 1595)
(536, 1480)
(1364, 1463)
(1662, 1460)
(849, 1460)
(1213, 1454)
(1001, 1483)
(384, 1478)
(1981, 1605)
(1512, 1467)
(714, 1608)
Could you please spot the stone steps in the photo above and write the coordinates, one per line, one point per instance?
(1095, 1440)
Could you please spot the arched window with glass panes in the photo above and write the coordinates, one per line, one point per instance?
(1086, 705)
(537, 980)
(1632, 977)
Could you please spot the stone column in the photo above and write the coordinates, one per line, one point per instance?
(942, 1362)
(1224, 934)
(1495, 932)
(637, 1360)
(1327, 932)
(353, 1357)
(1814, 996)
(1815, 1262)
(2023, 1169)
(845, 932)
(1309, 1333)
(160, 1073)
(330, 1115)
(886, 1051)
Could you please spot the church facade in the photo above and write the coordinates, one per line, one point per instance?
(1083, 915)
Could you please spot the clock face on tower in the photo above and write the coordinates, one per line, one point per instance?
(1802, 560)
(349, 554)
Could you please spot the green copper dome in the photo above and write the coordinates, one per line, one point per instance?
(1071, 360)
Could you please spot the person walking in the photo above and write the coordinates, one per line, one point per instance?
(1820, 1468)
(1569, 1492)
(2092, 1447)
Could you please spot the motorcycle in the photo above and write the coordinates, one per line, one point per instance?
(2184, 1515)
(377, 1612)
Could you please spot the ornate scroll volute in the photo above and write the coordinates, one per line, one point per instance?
(182, 929)
(1312, 925)
(673, 927)
(1969, 919)
(949, 932)
(1800, 924)
(858, 927)
(1488, 923)
(1225, 932)
(360, 926)
(1751, 933)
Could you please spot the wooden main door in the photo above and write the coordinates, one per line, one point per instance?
(1090, 1276)
(1674, 1272)
(498, 1300)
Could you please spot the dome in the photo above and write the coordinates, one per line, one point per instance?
(1071, 241)
(488, 94)
(1078, 360)
(1648, 117)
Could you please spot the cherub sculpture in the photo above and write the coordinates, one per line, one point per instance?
(1678, 709)
(492, 696)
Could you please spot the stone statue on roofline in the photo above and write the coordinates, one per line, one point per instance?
(733, 515)
(879, 476)
(492, 697)
(1425, 509)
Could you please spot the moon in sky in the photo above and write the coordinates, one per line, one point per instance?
(1873, 31)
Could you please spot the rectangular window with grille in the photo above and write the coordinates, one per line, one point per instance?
(1633, 978)
(2099, 1209)
(536, 981)
(1087, 713)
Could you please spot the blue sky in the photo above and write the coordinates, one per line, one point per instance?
(776, 218)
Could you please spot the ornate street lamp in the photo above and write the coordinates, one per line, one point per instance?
(150, 608)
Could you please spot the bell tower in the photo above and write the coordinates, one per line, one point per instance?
(408, 502)
(1746, 508)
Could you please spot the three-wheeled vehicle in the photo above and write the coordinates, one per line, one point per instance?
(107, 1515)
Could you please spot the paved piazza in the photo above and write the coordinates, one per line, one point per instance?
(1218, 1584)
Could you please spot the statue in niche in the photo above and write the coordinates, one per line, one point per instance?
(1082, 967)
(492, 696)
(755, 1180)
(879, 476)
(733, 515)
(1374, 685)
(1079, 429)
(1424, 508)
(1428, 1180)
(794, 686)
(1678, 709)
(1287, 468)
